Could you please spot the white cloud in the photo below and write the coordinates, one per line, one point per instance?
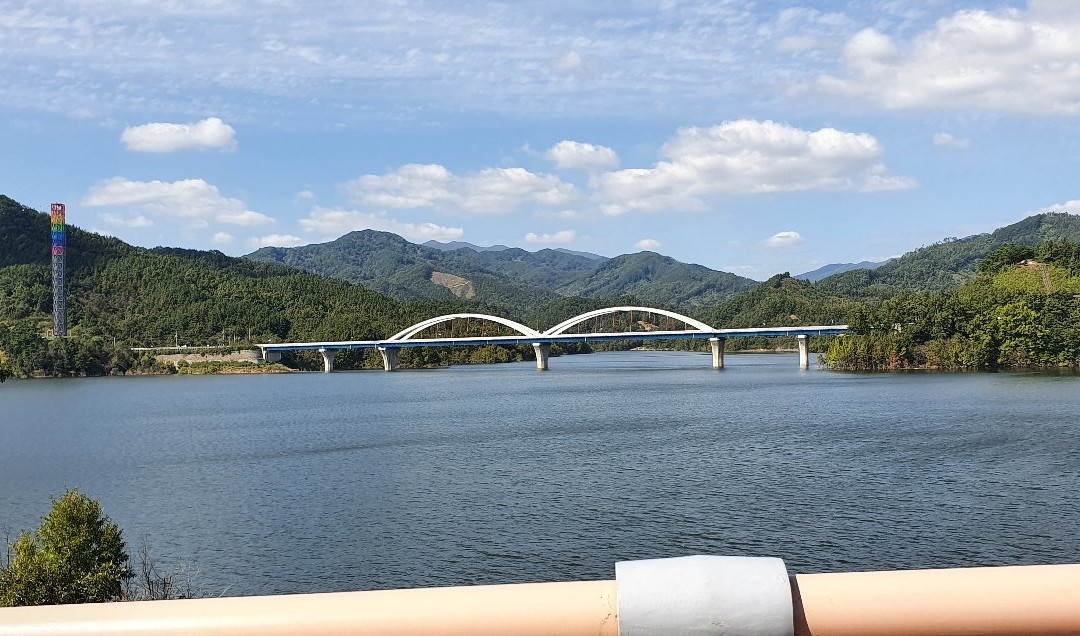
(749, 271)
(747, 157)
(222, 238)
(489, 190)
(795, 44)
(1009, 60)
(947, 140)
(193, 201)
(647, 244)
(1071, 207)
(576, 155)
(335, 222)
(132, 222)
(561, 237)
(877, 180)
(784, 239)
(160, 137)
(276, 240)
(569, 62)
(305, 62)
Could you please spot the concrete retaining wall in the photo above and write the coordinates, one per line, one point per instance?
(247, 355)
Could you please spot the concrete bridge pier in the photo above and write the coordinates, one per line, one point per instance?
(717, 345)
(804, 351)
(542, 349)
(271, 355)
(389, 358)
(328, 359)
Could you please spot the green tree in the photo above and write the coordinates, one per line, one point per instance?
(76, 556)
(1005, 256)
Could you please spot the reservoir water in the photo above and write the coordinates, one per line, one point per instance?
(501, 473)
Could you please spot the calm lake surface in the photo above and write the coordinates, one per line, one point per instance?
(500, 473)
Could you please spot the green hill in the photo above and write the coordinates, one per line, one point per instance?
(1021, 309)
(658, 280)
(391, 265)
(950, 263)
(782, 301)
(122, 296)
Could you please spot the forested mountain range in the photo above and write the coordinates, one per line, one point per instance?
(510, 276)
(515, 277)
(946, 295)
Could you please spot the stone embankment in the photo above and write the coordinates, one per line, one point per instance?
(245, 355)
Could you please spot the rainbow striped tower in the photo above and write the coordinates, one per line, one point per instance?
(59, 256)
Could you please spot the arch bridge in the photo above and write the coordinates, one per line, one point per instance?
(600, 325)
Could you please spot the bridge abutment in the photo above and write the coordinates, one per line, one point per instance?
(543, 350)
(328, 359)
(271, 355)
(389, 358)
(804, 351)
(717, 345)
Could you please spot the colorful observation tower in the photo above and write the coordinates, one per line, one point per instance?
(59, 256)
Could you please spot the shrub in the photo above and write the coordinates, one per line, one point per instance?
(76, 556)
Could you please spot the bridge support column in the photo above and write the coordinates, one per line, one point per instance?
(542, 349)
(804, 351)
(328, 359)
(271, 355)
(389, 358)
(717, 345)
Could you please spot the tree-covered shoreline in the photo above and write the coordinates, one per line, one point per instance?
(1022, 310)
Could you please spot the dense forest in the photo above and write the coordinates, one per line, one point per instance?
(1017, 306)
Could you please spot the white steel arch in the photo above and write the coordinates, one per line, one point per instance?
(576, 320)
(409, 332)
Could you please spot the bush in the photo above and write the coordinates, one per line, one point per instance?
(76, 556)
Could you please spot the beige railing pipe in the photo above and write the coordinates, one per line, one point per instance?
(1007, 600)
(585, 608)
(1037, 599)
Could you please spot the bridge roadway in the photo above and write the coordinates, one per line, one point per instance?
(542, 341)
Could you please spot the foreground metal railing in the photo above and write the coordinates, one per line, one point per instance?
(687, 595)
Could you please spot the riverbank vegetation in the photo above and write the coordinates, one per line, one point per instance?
(210, 367)
(1021, 310)
(78, 555)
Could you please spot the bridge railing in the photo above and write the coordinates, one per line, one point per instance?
(699, 595)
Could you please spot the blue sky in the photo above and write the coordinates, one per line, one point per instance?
(750, 137)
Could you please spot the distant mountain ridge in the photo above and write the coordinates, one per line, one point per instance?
(389, 264)
(835, 268)
(450, 246)
(458, 245)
